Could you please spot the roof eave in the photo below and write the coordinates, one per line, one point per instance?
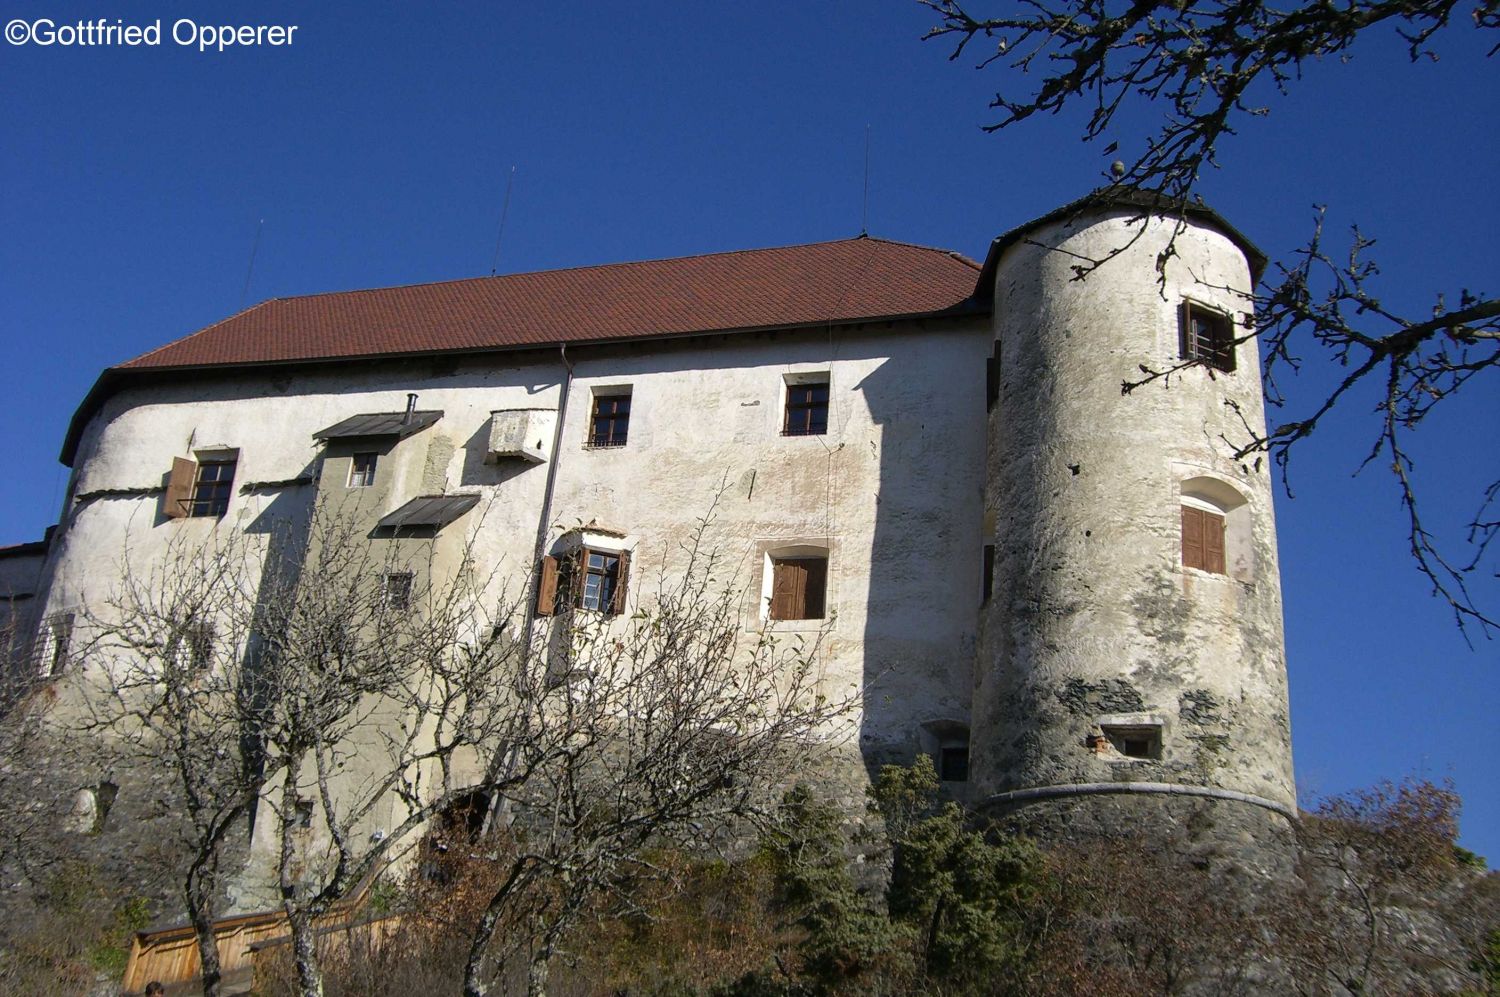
(112, 378)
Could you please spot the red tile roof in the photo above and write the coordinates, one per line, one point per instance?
(754, 289)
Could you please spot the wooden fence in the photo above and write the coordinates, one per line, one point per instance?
(170, 955)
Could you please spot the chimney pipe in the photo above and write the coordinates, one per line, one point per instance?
(411, 405)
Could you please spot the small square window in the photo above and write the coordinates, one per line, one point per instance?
(1206, 336)
(211, 488)
(798, 588)
(362, 470)
(610, 425)
(396, 590)
(806, 409)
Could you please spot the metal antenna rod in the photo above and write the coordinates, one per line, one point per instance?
(504, 211)
(249, 270)
(864, 217)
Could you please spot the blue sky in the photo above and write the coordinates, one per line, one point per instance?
(376, 149)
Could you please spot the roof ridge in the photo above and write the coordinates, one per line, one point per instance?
(952, 253)
(586, 267)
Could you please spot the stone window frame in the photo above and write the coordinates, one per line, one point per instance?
(1206, 490)
(765, 552)
(1114, 731)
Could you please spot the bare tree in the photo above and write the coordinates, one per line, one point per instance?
(1204, 64)
(165, 682)
(346, 692)
(670, 728)
(308, 689)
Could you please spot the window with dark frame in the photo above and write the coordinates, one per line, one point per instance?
(195, 646)
(806, 409)
(798, 588)
(55, 654)
(1206, 336)
(1203, 540)
(600, 578)
(610, 425)
(362, 470)
(211, 487)
(396, 590)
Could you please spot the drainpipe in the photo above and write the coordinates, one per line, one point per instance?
(499, 813)
(545, 521)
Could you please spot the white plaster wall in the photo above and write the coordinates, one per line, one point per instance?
(1094, 614)
(893, 489)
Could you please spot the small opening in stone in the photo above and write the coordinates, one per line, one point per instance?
(953, 762)
(1135, 742)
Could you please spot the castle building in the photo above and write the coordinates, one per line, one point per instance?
(1065, 594)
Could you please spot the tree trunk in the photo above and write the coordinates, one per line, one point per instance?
(208, 953)
(300, 919)
(305, 954)
(484, 931)
(536, 973)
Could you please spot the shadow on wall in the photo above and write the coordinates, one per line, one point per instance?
(926, 554)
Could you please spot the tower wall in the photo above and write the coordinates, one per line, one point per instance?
(1096, 632)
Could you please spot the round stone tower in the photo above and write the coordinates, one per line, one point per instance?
(1131, 671)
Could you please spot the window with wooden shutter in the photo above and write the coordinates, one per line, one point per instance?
(798, 588)
(1202, 540)
(1206, 336)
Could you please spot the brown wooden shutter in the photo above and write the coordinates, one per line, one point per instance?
(1213, 543)
(1192, 537)
(786, 584)
(1185, 331)
(179, 488)
(546, 587)
(814, 587)
(617, 606)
